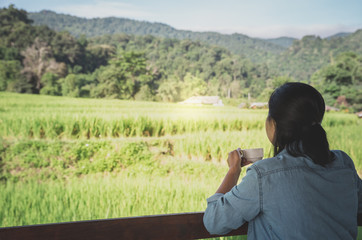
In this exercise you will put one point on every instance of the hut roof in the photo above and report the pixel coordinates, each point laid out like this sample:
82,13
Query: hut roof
329,108
209,100
259,105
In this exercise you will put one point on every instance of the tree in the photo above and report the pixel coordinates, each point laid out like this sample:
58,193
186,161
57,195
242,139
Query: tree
70,86
278,81
96,56
145,94
169,90
14,27
65,48
123,77
192,86
343,77
51,85
272,84
235,89
17,33
77,85
38,60
9,74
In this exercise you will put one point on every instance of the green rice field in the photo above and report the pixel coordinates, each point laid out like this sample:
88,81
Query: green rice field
70,159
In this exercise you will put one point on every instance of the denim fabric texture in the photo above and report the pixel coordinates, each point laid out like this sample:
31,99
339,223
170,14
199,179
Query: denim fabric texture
288,197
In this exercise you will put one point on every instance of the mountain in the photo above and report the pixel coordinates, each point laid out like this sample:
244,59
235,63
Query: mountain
342,34
284,42
146,67
253,48
283,56
311,53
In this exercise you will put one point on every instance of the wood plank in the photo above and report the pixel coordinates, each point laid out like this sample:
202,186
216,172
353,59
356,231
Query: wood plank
170,226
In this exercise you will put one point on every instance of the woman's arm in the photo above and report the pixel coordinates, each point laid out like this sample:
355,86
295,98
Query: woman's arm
232,205
232,176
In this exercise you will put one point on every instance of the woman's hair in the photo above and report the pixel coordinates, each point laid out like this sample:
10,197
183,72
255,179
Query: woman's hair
298,111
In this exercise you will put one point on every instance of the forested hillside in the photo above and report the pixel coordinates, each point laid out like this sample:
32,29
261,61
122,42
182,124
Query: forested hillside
40,60
311,53
36,59
281,41
252,48
295,58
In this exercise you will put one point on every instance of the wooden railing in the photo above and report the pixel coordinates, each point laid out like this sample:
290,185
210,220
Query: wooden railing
170,226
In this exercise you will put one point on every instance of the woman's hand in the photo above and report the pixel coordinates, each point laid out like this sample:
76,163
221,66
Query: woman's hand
235,162
231,179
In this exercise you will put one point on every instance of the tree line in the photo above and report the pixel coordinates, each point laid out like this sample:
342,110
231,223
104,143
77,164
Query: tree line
295,58
37,59
253,48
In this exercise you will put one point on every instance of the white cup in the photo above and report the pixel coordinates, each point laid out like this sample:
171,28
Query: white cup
251,155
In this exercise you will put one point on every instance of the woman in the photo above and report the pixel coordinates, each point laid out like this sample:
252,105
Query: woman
305,191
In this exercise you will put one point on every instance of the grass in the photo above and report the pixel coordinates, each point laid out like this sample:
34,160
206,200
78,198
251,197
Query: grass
100,197
65,159
45,117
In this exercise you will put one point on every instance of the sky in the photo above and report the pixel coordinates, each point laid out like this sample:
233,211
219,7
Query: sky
255,18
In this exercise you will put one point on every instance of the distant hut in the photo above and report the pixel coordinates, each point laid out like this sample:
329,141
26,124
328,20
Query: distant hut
331,109
204,100
258,105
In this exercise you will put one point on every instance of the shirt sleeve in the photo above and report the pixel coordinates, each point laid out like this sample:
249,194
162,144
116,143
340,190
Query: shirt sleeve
359,192
226,212
357,180
356,177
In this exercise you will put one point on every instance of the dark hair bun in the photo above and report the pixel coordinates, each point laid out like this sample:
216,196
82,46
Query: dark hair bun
298,111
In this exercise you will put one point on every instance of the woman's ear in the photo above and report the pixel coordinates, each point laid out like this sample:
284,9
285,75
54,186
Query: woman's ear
270,129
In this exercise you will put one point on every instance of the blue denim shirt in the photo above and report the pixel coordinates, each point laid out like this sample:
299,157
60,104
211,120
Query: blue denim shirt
288,197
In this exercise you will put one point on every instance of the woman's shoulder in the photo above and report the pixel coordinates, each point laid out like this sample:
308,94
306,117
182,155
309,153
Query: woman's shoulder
341,158
340,153
284,161
271,164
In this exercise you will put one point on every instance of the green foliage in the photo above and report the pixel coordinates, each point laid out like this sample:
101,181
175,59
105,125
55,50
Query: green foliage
14,23
145,94
9,74
96,55
272,84
169,90
341,78
90,159
146,67
9,53
101,197
51,86
17,33
41,50
65,48
21,160
278,81
282,41
312,53
171,61
255,49
296,58
77,85
192,86
123,77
